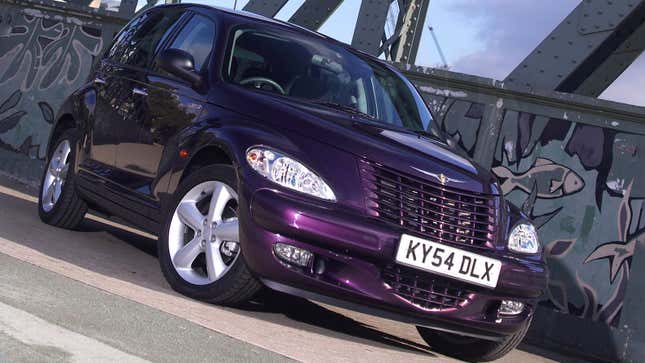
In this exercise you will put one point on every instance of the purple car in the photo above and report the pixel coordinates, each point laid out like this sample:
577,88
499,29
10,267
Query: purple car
267,155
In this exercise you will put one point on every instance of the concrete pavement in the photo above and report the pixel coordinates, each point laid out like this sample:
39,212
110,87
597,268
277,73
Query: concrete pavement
102,287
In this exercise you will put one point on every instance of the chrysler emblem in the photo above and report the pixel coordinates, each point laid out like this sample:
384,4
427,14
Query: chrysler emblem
442,178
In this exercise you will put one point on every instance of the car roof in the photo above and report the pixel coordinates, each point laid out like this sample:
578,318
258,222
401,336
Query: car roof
232,15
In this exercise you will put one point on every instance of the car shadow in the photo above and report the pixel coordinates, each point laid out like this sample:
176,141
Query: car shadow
305,311
286,309
275,306
132,257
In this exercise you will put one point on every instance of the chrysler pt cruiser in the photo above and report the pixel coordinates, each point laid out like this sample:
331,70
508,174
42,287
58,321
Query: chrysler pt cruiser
266,155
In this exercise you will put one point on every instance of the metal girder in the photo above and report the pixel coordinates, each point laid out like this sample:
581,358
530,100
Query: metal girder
127,8
592,46
614,65
268,8
370,25
313,13
404,50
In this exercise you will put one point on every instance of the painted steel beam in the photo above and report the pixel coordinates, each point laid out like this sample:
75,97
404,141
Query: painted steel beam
370,25
313,13
414,17
127,8
592,46
614,65
268,8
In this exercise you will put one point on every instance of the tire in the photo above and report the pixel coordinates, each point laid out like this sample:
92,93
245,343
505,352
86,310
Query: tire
237,285
472,349
68,210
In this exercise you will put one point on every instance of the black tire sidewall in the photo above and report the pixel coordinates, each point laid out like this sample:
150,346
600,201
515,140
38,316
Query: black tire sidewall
220,288
479,350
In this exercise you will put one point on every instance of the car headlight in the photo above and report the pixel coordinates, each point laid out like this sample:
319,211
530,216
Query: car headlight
524,239
288,172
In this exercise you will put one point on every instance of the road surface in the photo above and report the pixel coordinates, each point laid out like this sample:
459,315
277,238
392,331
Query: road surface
98,295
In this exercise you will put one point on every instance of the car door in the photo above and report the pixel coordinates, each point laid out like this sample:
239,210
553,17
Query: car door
170,105
110,106
119,107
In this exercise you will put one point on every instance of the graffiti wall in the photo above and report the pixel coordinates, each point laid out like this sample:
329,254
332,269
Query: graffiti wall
45,54
583,186
578,172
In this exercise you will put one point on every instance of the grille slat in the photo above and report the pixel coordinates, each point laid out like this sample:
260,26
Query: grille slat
425,182
443,215
440,213
425,290
486,223
380,189
459,197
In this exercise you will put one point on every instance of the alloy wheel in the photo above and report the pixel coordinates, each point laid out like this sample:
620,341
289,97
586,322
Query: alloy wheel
55,176
203,239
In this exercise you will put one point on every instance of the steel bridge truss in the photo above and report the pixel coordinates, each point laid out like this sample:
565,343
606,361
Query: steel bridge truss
592,46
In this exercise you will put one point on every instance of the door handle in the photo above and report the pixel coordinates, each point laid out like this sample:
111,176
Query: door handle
139,91
99,80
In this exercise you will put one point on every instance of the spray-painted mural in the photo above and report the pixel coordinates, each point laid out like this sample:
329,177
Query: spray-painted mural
43,58
582,203
583,185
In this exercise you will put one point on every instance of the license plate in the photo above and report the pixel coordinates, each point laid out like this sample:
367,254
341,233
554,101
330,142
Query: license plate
448,261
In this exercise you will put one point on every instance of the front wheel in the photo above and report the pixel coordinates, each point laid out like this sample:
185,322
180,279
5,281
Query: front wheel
472,349
199,248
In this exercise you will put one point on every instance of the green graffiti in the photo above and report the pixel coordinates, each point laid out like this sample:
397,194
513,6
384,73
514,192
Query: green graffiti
566,224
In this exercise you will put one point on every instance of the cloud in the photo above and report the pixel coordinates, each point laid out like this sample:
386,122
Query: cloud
508,30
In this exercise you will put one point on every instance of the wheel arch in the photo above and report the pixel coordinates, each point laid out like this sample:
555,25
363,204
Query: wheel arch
209,154
65,122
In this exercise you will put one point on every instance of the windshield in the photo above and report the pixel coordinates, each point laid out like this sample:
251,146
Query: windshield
328,74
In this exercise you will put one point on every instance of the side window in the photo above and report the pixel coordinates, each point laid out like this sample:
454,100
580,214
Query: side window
196,38
121,43
137,43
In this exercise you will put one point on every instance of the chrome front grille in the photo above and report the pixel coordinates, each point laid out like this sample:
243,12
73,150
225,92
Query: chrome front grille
427,208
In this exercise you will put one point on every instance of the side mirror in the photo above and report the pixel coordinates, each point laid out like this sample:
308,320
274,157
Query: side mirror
181,64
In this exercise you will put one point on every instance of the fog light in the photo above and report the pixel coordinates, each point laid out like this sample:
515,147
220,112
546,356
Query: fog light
510,307
292,254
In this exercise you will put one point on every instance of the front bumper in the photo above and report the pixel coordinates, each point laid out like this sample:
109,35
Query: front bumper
358,252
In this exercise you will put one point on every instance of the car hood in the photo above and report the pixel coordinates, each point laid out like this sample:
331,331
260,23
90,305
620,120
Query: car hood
425,157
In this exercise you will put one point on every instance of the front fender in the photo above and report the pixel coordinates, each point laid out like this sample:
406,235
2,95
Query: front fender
75,112
231,136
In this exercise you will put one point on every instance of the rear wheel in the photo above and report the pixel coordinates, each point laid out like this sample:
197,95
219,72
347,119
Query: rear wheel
199,249
59,203
472,349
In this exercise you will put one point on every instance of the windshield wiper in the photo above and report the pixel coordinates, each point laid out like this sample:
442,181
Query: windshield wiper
346,108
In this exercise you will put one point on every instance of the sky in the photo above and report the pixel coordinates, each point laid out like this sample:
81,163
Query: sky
481,37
